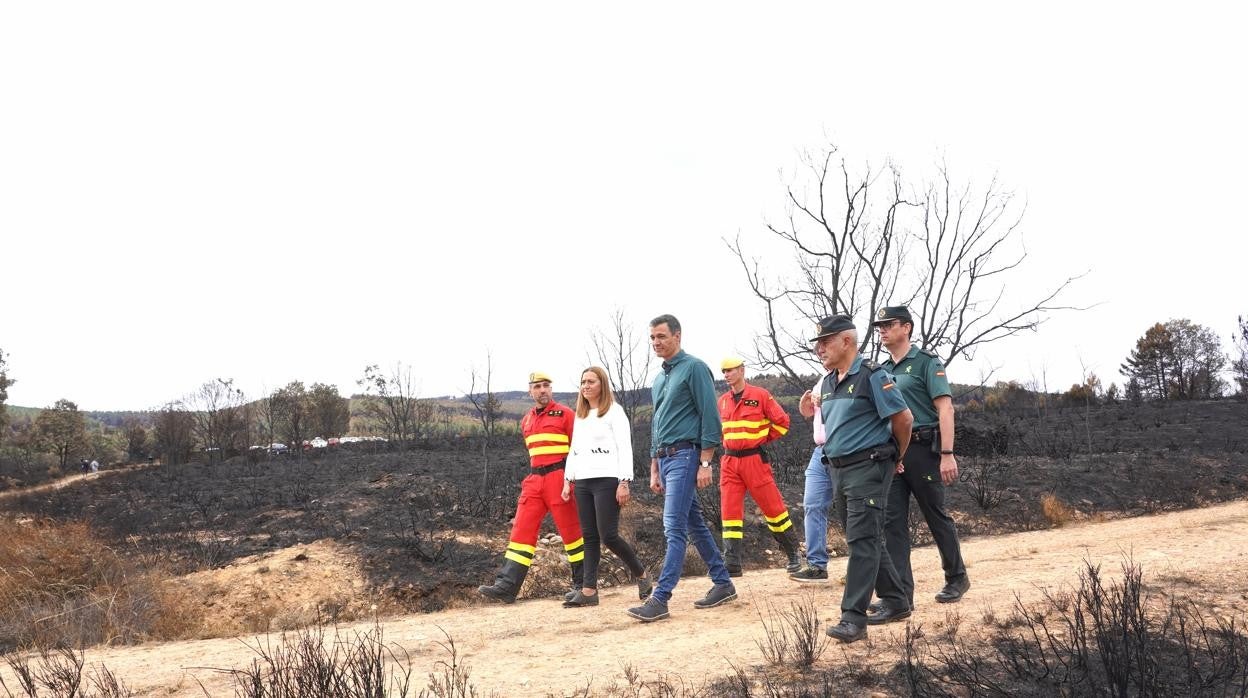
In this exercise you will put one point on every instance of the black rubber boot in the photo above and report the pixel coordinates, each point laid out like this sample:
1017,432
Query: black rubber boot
507,583
732,556
788,544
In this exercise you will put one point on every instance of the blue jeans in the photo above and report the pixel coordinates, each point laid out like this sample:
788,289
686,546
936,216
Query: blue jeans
682,521
821,491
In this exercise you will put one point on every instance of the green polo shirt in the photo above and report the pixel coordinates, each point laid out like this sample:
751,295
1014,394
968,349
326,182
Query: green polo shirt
856,411
921,376
684,404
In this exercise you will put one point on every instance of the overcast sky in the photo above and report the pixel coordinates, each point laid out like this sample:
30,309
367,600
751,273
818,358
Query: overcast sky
291,191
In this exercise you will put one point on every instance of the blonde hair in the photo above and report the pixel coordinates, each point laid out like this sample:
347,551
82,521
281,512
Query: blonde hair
605,398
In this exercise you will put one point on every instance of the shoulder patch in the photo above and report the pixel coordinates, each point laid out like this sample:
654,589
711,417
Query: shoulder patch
872,365
930,353
750,403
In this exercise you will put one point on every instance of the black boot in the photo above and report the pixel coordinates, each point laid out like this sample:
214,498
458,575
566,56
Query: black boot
507,583
788,544
732,556
578,580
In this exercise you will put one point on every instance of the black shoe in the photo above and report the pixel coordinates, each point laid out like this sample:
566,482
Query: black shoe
578,599
650,611
847,632
811,575
876,607
719,594
733,571
570,595
953,591
644,587
887,615
496,593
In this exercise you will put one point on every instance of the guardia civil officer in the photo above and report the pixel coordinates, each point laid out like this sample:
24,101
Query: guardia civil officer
547,431
930,465
868,429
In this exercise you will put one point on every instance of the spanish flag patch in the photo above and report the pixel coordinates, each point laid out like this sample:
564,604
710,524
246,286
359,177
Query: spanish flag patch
889,386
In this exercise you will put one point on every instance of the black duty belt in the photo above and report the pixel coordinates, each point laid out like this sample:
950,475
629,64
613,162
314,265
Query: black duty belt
673,449
549,468
885,451
925,434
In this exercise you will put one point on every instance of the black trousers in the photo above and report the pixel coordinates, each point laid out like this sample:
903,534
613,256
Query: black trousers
866,487
922,481
600,525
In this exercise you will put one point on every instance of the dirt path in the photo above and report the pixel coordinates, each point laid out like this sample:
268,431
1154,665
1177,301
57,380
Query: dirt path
535,647
73,478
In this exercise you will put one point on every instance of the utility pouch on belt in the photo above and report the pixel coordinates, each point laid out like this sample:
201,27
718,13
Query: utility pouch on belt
885,451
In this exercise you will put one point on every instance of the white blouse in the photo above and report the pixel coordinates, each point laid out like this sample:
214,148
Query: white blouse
602,446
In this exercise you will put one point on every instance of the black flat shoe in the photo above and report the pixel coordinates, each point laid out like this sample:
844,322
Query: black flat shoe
578,599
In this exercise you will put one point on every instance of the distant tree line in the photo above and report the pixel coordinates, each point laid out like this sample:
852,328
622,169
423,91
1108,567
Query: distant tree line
1181,360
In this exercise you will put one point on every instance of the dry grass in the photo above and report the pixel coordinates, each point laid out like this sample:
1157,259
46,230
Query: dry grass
61,587
1056,512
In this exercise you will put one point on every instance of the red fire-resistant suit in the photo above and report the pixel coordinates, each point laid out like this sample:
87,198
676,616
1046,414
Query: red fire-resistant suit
547,434
750,420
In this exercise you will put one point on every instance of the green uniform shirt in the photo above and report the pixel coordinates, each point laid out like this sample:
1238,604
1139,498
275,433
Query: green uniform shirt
921,376
856,412
684,404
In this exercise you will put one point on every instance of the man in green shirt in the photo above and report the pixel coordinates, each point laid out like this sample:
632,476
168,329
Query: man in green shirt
685,430
868,430
930,465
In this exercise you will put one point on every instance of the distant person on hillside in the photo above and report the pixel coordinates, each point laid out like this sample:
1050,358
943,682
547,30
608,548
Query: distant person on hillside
601,465
95,466
930,465
685,430
868,428
751,418
83,465
547,431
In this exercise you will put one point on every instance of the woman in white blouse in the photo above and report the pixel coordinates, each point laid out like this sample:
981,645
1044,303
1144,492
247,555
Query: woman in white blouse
601,464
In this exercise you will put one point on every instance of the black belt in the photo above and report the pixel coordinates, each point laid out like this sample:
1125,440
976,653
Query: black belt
924,434
881,452
673,449
550,468
743,452
757,450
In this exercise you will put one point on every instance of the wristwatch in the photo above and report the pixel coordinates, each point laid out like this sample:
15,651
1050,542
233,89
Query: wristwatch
706,464
946,453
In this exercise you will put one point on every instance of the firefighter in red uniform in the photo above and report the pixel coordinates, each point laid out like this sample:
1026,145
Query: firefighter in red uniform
751,418
547,430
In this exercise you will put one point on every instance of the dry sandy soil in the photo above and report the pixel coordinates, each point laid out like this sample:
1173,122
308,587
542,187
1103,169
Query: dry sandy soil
536,647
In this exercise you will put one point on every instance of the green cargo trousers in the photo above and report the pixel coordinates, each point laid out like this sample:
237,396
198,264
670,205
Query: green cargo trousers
866,486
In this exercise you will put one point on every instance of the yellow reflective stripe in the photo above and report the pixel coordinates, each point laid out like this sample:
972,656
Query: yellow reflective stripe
733,522
573,544
782,430
744,424
576,557
517,557
777,517
746,434
781,528
521,547
733,534
557,438
547,450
